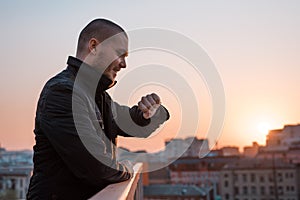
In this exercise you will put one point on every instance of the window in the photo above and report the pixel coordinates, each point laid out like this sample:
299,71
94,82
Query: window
244,177
262,179
286,175
235,177
225,175
280,190
225,183
262,190
271,188
236,190
227,196
253,190
245,190
271,177
252,178
13,185
280,177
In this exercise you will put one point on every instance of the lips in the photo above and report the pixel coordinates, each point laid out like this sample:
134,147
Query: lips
116,69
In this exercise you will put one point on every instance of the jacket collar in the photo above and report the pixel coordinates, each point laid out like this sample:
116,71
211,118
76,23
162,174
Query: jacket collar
89,73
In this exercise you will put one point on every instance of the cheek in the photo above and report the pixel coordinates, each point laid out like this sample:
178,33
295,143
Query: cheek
108,70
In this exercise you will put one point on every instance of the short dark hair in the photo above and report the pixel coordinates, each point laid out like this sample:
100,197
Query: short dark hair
101,29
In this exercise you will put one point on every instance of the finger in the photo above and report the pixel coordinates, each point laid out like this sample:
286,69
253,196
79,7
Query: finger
156,98
142,106
151,99
146,102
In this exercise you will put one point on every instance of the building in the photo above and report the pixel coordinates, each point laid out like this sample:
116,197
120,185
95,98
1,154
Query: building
189,147
198,148
15,158
14,182
282,143
230,151
159,176
259,179
15,171
251,151
280,139
176,192
204,172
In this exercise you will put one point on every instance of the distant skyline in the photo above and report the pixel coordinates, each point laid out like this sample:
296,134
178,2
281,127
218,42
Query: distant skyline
255,46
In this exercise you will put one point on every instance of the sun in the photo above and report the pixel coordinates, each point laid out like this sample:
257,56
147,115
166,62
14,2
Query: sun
263,127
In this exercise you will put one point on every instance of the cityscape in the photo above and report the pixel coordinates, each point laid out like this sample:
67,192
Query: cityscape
269,172
232,136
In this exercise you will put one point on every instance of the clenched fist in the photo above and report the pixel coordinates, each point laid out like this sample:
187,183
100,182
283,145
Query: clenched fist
149,105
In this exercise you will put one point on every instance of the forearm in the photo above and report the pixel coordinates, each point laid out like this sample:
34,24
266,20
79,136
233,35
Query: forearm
138,126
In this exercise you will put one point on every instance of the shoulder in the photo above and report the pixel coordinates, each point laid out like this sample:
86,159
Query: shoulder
59,85
60,81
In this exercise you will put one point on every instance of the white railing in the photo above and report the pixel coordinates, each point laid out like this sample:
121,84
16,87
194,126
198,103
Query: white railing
127,190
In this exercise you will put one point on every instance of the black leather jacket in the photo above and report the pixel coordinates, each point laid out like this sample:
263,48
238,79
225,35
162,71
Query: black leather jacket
75,162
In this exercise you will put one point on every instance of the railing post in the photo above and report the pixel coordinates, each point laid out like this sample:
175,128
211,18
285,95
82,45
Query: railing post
139,194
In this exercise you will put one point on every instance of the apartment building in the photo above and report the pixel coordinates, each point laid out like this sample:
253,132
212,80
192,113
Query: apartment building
204,172
260,179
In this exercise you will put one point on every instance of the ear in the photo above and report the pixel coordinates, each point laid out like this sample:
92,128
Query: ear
92,45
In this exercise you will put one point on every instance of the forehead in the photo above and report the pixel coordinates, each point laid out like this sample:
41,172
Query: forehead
118,41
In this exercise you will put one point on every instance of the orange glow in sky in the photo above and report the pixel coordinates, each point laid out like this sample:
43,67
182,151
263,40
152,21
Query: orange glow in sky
254,46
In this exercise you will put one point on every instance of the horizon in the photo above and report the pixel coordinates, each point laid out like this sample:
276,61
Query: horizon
216,147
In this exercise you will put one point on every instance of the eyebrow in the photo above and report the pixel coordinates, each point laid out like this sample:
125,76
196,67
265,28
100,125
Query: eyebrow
123,52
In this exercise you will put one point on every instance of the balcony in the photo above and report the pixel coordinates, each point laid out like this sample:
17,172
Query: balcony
127,190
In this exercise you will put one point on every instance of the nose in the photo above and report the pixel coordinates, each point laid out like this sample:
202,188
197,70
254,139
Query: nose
122,63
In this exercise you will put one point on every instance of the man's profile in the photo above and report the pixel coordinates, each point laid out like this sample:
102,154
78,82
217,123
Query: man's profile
77,122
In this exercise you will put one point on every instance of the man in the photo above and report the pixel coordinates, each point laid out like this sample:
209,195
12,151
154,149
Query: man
77,122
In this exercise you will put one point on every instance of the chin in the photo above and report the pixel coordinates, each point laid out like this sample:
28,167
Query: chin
112,78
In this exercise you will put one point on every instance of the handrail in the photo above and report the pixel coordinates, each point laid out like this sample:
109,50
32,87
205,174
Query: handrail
124,190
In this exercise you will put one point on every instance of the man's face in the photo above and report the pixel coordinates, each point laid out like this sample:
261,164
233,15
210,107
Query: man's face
112,54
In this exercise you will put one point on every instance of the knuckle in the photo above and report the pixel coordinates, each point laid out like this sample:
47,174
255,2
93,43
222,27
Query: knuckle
140,104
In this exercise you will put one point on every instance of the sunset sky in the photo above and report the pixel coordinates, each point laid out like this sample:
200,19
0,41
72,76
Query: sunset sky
254,44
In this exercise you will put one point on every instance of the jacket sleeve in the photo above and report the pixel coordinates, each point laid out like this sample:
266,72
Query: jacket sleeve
129,122
81,147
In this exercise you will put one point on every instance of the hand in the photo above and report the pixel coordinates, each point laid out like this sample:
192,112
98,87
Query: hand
128,165
149,105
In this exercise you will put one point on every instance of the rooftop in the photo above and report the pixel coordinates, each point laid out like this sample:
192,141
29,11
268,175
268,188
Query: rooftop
173,190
